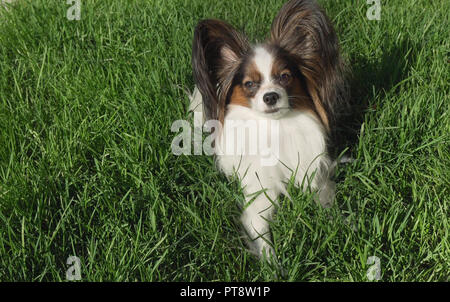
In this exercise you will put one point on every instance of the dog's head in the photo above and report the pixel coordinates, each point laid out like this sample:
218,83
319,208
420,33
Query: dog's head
297,68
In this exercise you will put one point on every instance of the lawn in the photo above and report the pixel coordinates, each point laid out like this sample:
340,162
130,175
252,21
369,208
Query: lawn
86,168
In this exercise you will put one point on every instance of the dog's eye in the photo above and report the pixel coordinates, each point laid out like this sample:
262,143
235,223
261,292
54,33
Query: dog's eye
285,77
249,84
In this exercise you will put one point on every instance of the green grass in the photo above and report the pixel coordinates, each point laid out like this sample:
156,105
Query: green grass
86,167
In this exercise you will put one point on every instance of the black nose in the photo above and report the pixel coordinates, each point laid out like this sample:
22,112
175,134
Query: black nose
271,98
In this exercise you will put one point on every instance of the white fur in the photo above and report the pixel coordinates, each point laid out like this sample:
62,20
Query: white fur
302,152
264,61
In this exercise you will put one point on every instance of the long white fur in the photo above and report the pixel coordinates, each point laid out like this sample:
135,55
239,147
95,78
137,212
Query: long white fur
302,154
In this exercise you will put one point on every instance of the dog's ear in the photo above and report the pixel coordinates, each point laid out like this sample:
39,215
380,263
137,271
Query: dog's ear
217,53
305,32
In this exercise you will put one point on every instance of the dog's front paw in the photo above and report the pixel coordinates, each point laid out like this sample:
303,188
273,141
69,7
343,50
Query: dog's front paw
325,196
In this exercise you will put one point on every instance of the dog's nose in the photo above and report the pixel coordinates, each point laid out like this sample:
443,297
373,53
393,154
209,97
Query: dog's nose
271,98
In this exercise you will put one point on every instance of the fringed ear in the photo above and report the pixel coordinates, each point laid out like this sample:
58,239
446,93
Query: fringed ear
304,31
216,56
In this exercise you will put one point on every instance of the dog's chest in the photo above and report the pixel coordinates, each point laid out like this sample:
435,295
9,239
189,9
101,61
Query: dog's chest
273,150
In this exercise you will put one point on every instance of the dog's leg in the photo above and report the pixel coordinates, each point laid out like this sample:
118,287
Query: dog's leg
322,184
255,218
325,195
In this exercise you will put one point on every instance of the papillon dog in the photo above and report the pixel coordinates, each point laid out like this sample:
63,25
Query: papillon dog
294,81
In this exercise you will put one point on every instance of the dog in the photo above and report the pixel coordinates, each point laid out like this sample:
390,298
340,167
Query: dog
293,83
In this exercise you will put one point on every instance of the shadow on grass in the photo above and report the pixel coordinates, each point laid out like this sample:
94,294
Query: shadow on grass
370,77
